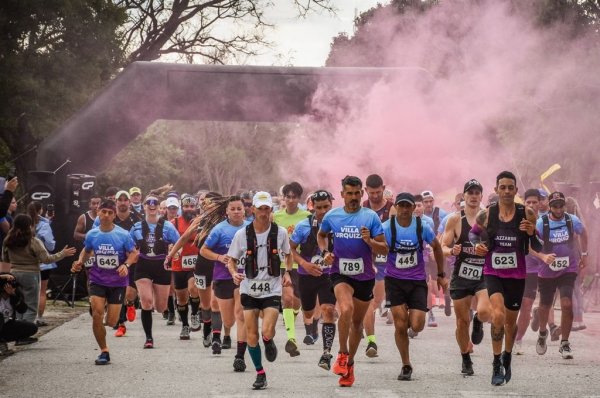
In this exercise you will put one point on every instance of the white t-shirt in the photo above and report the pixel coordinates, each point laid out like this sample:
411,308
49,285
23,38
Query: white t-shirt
264,285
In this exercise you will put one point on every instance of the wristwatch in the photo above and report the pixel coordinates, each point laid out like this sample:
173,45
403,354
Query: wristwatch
441,275
127,265
324,253
584,254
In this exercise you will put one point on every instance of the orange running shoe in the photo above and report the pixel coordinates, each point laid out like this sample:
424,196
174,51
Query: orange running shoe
121,331
340,367
348,380
131,313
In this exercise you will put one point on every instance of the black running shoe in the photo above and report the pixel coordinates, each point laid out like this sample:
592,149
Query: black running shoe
103,358
467,368
171,318
506,359
216,347
497,374
261,381
226,342
270,351
239,365
325,361
308,340
406,373
477,332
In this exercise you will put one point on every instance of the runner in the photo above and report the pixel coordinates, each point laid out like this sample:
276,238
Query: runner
225,290
113,251
313,276
287,218
358,237
135,194
467,276
152,237
260,248
506,229
375,189
561,266
405,281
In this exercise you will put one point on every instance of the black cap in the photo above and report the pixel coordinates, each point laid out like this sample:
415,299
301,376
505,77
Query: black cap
556,197
473,183
405,197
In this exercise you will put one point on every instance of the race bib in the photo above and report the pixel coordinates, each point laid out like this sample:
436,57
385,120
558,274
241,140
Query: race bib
351,266
318,260
189,262
90,262
471,272
107,262
406,260
381,258
259,288
560,264
200,281
504,260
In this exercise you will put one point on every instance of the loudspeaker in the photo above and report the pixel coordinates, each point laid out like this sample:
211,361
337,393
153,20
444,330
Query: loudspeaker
42,186
80,189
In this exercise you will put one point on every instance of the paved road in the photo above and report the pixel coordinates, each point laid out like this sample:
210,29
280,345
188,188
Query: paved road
62,365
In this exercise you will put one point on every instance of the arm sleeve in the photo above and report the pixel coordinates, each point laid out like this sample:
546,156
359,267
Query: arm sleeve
42,254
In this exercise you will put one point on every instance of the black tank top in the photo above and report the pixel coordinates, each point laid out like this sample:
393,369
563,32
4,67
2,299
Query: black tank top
89,222
467,254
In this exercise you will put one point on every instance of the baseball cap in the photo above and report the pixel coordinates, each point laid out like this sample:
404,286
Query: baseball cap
118,195
426,194
556,197
172,202
262,199
543,193
173,194
405,197
473,183
133,190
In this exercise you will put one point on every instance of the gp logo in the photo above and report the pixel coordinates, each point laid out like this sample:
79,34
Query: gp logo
40,195
86,186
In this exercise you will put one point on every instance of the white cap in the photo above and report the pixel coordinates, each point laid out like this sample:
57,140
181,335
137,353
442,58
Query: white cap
172,202
427,194
262,199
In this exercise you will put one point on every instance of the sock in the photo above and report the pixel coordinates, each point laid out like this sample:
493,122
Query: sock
466,357
308,329
371,339
206,316
255,354
315,327
183,314
328,332
496,358
288,320
147,323
122,315
170,305
195,304
217,324
241,349
266,340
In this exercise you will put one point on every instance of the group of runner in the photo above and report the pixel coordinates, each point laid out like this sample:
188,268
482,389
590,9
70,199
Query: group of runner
238,261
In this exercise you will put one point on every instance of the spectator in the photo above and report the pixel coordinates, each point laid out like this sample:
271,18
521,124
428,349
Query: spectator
5,204
25,253
11,303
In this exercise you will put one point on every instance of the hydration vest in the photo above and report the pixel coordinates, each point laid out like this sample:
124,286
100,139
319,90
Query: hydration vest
494,221
546,232
273,259
310,247
419,233
160,247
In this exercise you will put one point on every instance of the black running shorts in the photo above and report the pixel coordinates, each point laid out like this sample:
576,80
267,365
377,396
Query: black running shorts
253,303
363,290
312,287
153,270
113,295
531,286
181,278
224,288
511,289
403,291
564,283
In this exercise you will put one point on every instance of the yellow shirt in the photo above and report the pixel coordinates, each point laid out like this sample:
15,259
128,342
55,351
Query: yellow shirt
289,221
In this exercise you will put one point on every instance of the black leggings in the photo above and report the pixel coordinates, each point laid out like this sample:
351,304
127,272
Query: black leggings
16,330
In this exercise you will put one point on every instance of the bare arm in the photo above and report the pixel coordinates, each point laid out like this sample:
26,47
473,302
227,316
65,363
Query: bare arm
211,255
79,233
309,267
450,235
436,247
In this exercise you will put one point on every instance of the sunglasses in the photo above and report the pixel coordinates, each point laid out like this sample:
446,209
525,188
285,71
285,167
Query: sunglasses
320,195
246,204
151,202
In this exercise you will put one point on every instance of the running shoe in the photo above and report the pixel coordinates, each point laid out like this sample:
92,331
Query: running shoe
41,322
103,358
431,320
261,381
196,323
411,333
4,350
207,341
541,347
171,319
216,347
447,308
340,366
26,341
270,350
405,373
371,350
518,349
121,331
348,379
308,340
565,350
477,332
497,374
165,314
555,332
325,361
292,348
149,343
185,333
131,313
506,362
535,320
226,342
239,365
467,368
